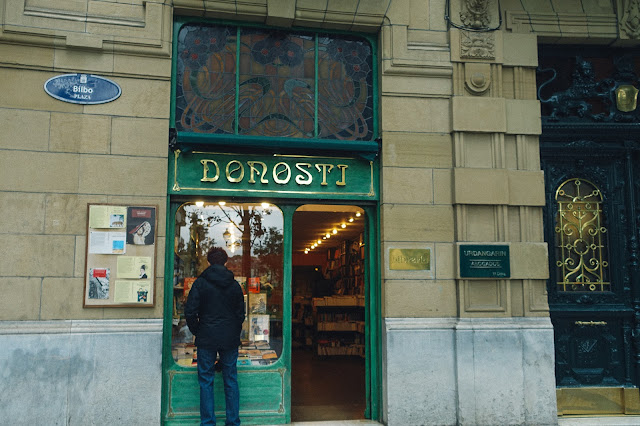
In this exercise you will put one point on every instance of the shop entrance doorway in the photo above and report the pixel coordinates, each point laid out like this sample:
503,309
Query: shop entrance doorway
328,327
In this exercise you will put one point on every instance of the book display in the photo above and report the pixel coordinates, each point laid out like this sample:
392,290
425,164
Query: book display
340,325
249,234
333,320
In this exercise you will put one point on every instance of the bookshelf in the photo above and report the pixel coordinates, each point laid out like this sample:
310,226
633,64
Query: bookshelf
340,325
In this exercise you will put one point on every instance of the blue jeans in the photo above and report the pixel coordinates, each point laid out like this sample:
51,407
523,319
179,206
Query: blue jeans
206,374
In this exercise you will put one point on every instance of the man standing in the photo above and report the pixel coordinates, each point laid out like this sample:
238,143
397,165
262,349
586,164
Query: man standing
215,313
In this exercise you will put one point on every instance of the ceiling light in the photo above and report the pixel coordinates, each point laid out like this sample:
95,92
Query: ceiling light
335,231
265,205
358,214
199,203
319,241
350,219
328,235
222,203
343,225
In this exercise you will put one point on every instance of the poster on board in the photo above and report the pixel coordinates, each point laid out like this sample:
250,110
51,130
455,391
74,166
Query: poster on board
120,256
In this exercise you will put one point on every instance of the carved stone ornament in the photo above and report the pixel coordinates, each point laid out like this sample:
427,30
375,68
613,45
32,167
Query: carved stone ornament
477,45
477,78
631,19
475,14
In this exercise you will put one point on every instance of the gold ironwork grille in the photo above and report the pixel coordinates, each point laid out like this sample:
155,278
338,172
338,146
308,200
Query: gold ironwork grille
580,238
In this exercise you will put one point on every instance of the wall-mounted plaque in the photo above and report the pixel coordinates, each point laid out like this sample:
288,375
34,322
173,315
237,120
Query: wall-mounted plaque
484,261
409,259
82,89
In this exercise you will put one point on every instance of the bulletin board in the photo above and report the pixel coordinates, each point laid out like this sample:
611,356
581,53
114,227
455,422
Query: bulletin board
120,256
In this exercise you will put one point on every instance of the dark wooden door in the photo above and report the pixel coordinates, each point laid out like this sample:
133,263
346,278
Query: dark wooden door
591,227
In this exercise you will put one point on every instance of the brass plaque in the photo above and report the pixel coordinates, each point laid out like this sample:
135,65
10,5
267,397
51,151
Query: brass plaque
410,259
626,98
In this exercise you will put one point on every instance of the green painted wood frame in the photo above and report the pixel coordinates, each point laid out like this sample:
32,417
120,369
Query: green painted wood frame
266,390
189,139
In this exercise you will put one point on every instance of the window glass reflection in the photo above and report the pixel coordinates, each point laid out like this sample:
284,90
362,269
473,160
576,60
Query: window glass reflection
252,235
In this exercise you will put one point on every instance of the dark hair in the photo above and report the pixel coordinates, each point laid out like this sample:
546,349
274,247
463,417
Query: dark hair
217,256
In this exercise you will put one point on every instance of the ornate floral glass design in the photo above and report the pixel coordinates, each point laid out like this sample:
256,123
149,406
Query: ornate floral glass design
258,82
581,249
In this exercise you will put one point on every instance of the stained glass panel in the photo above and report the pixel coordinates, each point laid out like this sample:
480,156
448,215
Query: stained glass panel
276,84
278,90
205,89
345,82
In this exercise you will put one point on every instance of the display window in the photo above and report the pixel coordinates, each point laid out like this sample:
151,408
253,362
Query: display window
252,235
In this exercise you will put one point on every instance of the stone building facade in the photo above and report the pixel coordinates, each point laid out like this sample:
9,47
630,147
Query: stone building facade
459,164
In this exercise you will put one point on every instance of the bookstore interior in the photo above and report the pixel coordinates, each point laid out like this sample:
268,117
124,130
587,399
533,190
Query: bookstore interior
327,289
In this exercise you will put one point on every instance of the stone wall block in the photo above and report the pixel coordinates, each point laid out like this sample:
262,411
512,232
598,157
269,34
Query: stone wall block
405,149
442,184
478,114
420,392
480,186
21,213
417,223
529,260
20,299
96,62
38,172
520,49
523,117
37,255
420,298
415,114
22,89
20,55
407,185
62,299
24,129
526,188
139,136
80,133
140,98
445,260
113,175
67,213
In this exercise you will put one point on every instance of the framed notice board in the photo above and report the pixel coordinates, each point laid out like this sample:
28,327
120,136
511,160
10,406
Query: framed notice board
120,256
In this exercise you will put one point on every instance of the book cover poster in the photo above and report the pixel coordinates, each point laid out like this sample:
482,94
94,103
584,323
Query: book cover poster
258,303
259,328
141,225
253,285
188,283
99,283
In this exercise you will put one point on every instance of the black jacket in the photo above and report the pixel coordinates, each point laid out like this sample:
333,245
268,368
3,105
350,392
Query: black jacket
215,309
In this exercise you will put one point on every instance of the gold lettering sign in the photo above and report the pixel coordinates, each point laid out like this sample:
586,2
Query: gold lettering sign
301,180
626,98
277,173
239,168
205,171
325,168
410,259
305,173
252,167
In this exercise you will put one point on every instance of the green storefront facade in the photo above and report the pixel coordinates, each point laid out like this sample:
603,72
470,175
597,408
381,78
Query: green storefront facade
287,173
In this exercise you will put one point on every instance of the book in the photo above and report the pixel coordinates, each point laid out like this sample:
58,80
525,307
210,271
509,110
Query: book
258,303
188,283
253,285
259,328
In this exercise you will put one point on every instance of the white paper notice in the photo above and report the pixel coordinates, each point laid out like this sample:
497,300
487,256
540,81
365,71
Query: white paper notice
107,242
